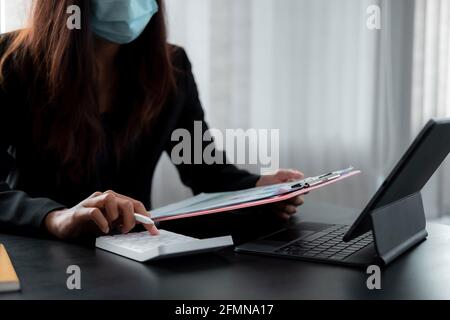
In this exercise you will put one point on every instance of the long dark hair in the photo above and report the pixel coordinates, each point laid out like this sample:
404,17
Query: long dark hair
67,120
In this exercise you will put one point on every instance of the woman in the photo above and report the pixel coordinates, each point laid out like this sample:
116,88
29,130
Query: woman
93,109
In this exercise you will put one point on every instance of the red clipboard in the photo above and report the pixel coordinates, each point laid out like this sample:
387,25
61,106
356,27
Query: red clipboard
256,203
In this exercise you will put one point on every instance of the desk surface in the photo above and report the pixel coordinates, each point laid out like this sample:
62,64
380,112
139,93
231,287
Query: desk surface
423,273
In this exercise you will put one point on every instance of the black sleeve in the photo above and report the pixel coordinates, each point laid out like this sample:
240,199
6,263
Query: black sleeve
203,177
19,213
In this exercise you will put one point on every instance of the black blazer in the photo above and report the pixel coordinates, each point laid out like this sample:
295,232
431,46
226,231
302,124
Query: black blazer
31,185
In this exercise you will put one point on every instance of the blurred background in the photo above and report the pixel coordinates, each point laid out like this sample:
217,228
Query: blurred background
339,92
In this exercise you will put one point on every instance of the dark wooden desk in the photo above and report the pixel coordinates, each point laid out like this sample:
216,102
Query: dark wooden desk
423,273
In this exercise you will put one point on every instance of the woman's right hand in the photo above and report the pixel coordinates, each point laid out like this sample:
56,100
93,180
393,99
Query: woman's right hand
104,211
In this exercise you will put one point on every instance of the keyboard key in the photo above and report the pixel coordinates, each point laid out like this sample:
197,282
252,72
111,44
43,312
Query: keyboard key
328,244
339,258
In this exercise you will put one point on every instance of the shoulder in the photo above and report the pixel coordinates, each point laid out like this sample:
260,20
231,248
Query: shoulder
185,91
182,71
180,59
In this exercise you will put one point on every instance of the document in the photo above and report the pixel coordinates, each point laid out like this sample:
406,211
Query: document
8,277
208,203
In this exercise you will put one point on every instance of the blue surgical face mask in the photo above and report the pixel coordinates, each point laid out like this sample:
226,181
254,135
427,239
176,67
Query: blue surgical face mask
121,21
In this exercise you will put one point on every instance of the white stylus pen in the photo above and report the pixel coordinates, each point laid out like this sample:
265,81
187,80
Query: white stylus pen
143,219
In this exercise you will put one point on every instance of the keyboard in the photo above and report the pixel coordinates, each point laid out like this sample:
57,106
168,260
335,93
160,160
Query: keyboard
328,245
144,247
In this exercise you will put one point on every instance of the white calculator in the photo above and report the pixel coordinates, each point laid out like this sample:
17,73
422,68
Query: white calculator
144,247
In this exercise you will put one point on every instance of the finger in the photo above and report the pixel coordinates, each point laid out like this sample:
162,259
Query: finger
283,215
126,209
298,174
95,194
285,212
297,201
99,219
95,215
119,195
287,208
111,209
286,175
152,229
290,209
138,208
97,200
105,201
283,175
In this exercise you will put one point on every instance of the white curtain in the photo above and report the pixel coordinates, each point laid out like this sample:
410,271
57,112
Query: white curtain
431,86
337,90
13,14
339,93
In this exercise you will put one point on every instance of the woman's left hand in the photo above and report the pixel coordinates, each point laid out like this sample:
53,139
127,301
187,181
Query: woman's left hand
288,208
